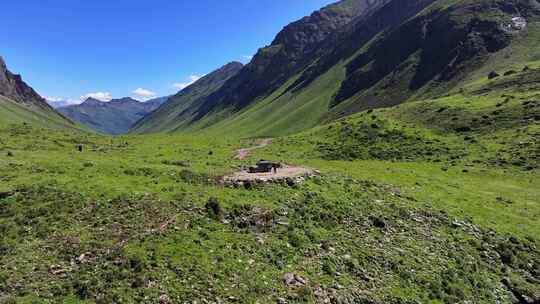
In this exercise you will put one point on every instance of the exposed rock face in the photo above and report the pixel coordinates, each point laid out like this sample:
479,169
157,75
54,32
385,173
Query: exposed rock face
391,50
292,49
13,87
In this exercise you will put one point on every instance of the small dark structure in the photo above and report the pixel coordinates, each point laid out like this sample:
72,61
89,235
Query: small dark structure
264,166
80,148
493,75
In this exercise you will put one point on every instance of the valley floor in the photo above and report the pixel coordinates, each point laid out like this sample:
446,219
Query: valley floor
143,219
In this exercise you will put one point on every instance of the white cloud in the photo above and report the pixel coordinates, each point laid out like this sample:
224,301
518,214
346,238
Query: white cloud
247,57
54,99
61,101
192,80
144,94
102,96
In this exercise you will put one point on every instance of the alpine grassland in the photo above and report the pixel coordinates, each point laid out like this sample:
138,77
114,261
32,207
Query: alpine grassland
415,126
432,201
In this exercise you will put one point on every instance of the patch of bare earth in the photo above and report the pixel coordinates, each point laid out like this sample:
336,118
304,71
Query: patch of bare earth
282,173
244,153
285,173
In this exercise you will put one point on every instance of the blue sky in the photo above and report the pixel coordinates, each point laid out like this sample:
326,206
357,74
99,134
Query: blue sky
71,48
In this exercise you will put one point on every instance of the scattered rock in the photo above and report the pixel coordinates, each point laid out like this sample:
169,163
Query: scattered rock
164,299
9,154
508,73
457,224
292,280
57,270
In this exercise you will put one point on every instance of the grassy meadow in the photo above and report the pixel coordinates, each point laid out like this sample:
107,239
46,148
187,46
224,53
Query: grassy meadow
413,204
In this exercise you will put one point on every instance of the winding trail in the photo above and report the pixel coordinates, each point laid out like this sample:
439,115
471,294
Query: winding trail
244,153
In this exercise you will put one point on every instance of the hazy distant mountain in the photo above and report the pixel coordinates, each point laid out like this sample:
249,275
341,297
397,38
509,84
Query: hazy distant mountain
58,103
114,117
157,101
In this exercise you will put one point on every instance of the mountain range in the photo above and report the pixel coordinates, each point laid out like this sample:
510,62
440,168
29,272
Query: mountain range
404,138
352,56
113,117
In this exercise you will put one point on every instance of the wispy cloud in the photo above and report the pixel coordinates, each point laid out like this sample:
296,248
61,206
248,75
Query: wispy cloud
102,96
247,57
53,99
143,94
192,80
61,101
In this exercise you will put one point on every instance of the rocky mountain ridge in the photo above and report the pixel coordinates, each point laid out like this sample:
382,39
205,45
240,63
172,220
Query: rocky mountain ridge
113,117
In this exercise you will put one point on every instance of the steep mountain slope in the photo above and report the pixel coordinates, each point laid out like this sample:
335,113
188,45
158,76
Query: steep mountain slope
114,117
179,109
19,103
290,51
386,54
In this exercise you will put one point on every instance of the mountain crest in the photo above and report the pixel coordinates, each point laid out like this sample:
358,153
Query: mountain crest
13,87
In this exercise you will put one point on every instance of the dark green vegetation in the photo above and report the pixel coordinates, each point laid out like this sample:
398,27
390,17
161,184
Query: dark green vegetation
432,199
114,117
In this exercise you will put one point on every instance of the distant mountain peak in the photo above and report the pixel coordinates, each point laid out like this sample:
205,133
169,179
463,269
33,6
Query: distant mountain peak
113,117
92,102
124,100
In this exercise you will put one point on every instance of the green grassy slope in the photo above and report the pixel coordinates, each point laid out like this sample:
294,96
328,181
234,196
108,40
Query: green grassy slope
14,113
385,69
393,218
280,113
179,110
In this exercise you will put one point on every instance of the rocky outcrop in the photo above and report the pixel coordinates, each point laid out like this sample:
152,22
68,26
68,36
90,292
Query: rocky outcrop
292,49
13,87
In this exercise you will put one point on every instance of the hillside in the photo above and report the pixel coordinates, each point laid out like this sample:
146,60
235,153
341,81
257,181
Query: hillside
431,201
379,55
415,126
19,103
114,117
179,109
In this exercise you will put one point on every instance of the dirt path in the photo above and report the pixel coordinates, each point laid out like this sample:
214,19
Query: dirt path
282,173
286,172
244,153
